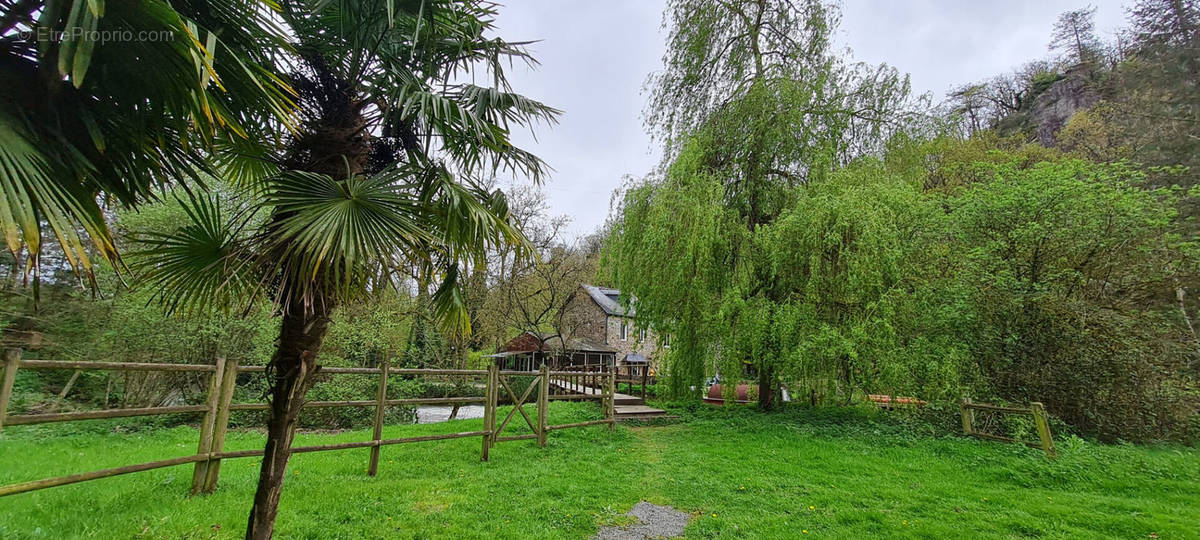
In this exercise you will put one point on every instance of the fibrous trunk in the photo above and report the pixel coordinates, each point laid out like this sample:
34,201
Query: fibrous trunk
334,142
293,368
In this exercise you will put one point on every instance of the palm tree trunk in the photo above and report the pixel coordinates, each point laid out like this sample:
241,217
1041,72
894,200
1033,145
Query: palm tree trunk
293,369
337,146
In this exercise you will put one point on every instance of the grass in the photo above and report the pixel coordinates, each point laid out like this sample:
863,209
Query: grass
741,473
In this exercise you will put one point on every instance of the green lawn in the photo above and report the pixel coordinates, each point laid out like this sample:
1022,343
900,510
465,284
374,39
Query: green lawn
842,474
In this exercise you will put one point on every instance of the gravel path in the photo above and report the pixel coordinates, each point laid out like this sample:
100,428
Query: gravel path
653,521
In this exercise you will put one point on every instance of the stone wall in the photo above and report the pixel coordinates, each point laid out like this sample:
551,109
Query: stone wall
647,347
585,319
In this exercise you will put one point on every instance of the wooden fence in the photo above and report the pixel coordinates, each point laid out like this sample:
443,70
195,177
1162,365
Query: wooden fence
219,404
1035,409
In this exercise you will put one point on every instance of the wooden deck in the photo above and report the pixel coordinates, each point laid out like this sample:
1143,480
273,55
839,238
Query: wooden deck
627,407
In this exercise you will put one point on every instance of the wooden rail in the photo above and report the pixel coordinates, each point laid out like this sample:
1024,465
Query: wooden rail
1035,409
118,366
595,375
219,404
24,419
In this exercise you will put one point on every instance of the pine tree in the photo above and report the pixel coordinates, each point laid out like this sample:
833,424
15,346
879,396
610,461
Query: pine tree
1075,36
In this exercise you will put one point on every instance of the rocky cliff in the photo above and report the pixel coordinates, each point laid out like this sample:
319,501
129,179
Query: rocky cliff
1053,108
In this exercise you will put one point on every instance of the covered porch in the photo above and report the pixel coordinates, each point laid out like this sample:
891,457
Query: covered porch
530,351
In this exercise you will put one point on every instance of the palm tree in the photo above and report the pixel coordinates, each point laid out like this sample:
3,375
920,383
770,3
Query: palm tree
103,102
381,173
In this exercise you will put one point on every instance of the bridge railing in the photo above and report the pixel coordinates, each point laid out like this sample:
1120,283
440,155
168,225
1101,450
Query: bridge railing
636,377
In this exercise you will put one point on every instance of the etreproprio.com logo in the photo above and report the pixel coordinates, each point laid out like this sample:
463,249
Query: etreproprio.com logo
96,36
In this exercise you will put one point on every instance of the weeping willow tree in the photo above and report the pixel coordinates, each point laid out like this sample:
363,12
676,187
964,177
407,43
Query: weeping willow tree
869,306
752,105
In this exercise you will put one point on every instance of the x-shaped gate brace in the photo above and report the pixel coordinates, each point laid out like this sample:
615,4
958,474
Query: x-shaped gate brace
540,382
518,406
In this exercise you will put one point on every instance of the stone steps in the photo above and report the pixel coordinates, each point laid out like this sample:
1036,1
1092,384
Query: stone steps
639,412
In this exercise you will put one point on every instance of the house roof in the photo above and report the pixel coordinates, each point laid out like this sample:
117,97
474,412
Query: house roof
609,300
587,345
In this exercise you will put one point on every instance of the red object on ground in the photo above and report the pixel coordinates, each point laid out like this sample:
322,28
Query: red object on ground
715,391
890,401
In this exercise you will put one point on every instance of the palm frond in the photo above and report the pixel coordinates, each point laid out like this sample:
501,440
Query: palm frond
449,303
243,162
472,124
85,118
200,266
32,195
327,234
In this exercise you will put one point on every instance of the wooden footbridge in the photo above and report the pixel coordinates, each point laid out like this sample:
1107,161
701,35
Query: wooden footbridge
589,380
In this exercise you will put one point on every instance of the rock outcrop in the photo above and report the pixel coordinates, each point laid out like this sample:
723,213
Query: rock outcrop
1053,108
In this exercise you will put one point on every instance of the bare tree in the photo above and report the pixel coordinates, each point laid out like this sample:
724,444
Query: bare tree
533,299
969,104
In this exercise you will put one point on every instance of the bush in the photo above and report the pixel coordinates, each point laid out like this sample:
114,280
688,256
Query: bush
1071,267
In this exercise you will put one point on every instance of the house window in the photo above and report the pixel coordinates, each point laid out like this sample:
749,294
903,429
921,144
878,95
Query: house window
642,335
667,340
624,331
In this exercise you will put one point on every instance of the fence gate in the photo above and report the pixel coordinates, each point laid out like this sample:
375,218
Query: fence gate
503,383
1035,409
500,386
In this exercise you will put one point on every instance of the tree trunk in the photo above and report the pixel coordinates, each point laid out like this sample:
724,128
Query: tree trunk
766,392
1181,296
292,372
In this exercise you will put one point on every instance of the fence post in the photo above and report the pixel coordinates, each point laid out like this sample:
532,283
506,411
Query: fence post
487,413
380,409
610,411
221,425
200,471
645,372
493,402
1043,427
543,408
968,416
12,357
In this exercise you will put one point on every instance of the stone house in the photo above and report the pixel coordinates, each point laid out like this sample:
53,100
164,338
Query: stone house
602,318
595,329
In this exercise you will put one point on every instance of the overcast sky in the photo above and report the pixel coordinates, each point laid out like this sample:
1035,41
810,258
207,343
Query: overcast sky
595,56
